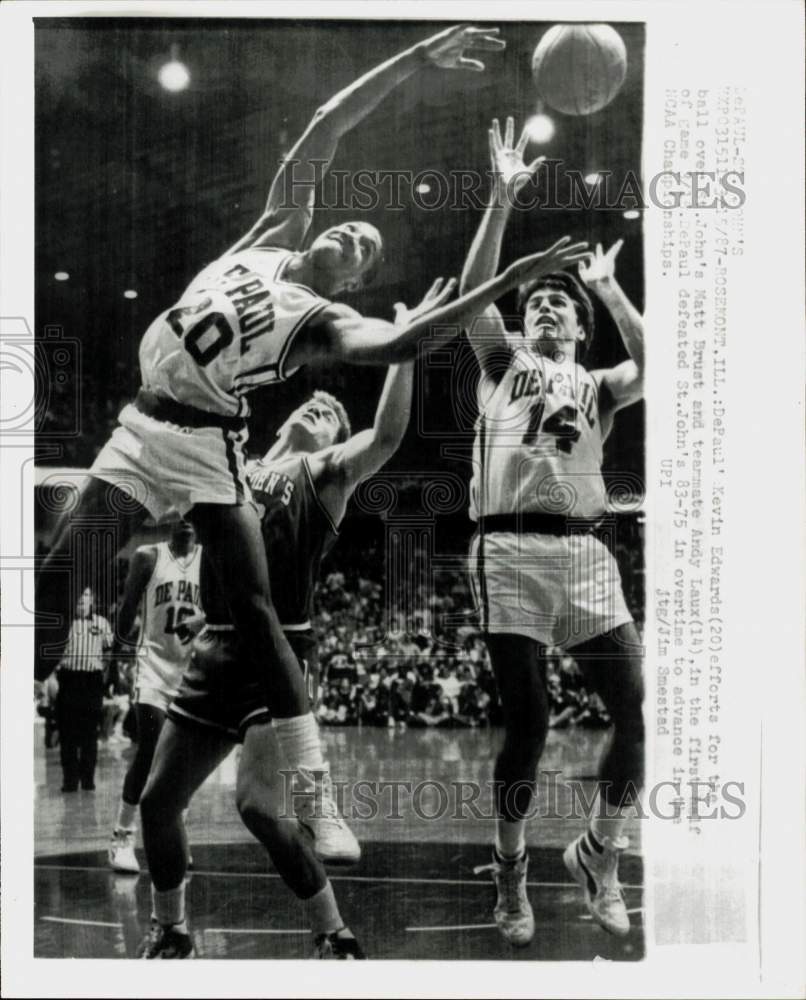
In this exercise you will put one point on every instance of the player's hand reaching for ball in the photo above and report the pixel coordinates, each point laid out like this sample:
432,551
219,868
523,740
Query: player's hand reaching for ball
436,296
509,169
447,49
598,269
558,256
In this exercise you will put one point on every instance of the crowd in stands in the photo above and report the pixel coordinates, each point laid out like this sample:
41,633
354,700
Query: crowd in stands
424,666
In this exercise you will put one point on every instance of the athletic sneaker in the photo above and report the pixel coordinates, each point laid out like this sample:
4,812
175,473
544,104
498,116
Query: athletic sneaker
594,866
513,911
338,945
333,841
121,853
165,942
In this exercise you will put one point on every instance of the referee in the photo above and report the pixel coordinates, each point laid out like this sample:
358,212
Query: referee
81,688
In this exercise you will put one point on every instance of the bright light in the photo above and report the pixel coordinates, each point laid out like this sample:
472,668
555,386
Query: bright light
592,179
174,75
540,128
423,188
61,276
632,213
130,294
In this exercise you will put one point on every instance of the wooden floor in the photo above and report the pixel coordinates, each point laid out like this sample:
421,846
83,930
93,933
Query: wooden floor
414,894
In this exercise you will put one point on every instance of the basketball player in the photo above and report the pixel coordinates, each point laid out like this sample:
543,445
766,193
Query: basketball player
252,318
302,486
541,576
163,582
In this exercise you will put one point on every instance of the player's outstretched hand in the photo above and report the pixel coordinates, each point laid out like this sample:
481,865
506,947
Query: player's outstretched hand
598,269
436,296
509,169
447,49
558,256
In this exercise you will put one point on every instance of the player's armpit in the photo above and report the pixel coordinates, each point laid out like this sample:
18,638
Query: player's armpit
619,387
488,338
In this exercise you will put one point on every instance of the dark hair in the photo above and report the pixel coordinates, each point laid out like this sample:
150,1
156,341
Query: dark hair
345,428
563,281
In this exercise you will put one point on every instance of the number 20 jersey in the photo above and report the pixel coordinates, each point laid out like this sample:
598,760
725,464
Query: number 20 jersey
171,595
538,446
230,332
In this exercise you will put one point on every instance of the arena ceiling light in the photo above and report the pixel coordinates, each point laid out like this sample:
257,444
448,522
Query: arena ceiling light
61,276
130,294
540,128
632,213
174,75
593,178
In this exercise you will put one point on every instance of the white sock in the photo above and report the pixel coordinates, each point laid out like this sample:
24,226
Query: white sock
127,816
323,911
510,838
169,905
299,741
606,820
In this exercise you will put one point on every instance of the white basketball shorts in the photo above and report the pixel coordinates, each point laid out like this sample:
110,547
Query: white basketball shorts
163,465
559,590
158,680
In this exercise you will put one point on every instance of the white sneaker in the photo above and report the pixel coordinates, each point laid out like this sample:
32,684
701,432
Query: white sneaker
513,911
333,841
121,853
597,873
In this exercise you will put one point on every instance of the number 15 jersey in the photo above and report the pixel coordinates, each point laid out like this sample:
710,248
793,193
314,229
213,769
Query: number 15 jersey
538,446
172,594
230,332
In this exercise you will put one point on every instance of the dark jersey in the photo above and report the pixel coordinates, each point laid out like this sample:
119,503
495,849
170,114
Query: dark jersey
297,533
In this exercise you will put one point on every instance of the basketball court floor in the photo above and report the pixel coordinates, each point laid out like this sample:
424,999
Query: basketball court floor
413,896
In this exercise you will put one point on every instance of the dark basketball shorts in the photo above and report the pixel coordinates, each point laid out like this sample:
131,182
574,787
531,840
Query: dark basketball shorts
221,689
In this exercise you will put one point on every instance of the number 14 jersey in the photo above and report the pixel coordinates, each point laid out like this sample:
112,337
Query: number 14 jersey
538,446
230,332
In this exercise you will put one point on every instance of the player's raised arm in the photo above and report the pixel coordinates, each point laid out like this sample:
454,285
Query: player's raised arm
347,464
289,207
339,333
623,384
510,173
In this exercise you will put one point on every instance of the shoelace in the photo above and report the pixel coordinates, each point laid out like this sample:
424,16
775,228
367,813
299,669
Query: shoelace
512,885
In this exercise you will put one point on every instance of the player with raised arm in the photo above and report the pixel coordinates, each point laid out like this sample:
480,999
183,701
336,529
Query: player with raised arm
163,585
540,575
252,318
249,319
302,486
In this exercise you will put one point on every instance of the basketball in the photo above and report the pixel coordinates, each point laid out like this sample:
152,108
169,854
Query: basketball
579,68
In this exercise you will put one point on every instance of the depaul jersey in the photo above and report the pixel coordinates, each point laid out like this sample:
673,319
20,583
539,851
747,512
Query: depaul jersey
297,533
538,446
171,595
229,333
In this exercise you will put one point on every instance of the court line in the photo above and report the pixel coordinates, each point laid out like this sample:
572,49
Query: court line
455,927
88,923
341,878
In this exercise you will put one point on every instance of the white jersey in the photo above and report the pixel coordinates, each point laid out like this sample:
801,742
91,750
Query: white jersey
538,446
230,332
171,595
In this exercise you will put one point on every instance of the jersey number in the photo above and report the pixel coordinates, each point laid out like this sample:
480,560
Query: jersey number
215,323
561,425
173,623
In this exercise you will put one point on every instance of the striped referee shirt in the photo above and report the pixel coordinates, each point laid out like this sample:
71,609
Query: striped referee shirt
89,638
